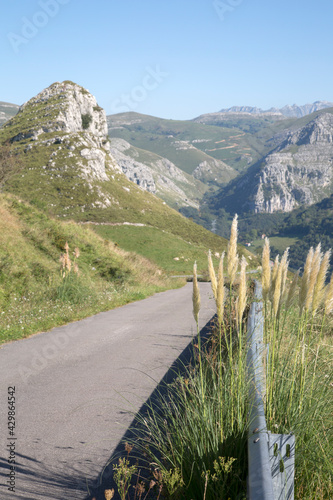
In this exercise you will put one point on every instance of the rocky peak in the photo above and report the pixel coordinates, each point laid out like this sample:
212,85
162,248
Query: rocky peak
64,125
63,107
319,130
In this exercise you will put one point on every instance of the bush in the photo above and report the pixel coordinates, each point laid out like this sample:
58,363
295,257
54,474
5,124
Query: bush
86,121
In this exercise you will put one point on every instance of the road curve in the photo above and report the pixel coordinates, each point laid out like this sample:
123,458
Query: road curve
77,387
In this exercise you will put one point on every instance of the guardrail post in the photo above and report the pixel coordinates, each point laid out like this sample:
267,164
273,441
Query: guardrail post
270,456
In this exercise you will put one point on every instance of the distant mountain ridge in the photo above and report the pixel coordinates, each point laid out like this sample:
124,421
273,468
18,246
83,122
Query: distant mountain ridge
7,111
299,171
288,111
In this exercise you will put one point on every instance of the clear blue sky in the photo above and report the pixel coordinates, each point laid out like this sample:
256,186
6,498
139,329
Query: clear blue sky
173,59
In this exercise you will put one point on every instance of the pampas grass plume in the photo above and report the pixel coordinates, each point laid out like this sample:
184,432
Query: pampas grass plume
241,301
329,297
220,291
284,265
273,277
318,293
313,277
292,291
212,275
305,279
232,252
266,269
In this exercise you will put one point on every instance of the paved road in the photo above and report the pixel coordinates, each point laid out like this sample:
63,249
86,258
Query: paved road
78,386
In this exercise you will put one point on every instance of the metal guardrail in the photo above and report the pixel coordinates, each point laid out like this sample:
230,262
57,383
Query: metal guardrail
271,457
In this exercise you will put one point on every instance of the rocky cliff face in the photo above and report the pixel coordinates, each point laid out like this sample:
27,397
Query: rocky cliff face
300,171
157,175
68,115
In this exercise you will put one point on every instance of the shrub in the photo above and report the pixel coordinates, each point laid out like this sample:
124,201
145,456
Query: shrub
86,121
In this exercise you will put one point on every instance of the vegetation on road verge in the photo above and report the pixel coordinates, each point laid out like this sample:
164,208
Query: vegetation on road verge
194,437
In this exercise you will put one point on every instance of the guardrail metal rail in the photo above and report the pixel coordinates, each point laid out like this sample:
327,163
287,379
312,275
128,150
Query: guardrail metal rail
271,457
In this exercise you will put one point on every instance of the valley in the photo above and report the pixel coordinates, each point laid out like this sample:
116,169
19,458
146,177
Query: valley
62,155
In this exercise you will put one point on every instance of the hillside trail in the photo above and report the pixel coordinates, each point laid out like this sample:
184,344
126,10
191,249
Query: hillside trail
76,389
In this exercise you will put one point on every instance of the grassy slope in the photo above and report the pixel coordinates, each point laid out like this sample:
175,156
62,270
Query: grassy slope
163,247
33,294
35,297
61,192
159,135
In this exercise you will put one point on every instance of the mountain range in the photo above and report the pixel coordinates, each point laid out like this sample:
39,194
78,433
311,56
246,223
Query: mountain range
288,111
56,155
241,159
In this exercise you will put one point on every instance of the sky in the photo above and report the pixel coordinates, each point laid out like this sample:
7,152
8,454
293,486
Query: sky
173,59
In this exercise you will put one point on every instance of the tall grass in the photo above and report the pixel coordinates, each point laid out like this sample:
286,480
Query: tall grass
197,430
38,293
299,369
195,434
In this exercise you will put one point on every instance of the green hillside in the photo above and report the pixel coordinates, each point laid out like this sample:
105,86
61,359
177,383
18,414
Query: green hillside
310,226
187,143
38,293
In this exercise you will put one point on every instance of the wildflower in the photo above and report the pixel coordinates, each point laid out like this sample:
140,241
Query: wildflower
109,494
128,448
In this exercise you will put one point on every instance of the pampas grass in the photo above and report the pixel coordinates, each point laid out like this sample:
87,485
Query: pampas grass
315,266
266,269
212,274
242,293
232,257
329,297
305,279
220,293
319,288
299,367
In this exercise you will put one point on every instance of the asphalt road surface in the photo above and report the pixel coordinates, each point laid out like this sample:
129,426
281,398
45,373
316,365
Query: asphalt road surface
75,389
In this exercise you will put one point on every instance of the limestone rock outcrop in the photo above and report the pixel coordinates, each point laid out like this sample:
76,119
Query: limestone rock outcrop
157,175
66,113
299,171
